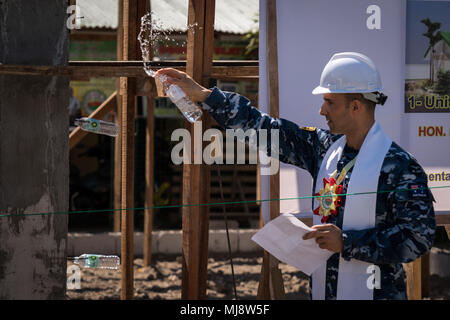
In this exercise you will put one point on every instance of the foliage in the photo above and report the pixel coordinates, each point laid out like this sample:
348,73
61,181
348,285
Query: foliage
251,50
432,33
443,84
159,199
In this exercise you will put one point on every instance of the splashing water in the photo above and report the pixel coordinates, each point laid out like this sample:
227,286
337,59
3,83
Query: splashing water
147,38
153,31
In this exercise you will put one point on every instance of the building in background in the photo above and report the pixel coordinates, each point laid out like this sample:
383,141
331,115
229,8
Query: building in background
91,160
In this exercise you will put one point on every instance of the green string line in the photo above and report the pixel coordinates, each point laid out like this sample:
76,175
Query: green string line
211,204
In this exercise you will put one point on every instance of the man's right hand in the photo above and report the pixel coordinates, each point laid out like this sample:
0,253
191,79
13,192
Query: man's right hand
193,90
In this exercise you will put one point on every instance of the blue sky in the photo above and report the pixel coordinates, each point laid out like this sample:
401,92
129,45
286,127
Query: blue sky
416,43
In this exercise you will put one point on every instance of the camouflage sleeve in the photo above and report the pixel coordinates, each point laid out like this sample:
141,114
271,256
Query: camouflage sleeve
407,231
297,146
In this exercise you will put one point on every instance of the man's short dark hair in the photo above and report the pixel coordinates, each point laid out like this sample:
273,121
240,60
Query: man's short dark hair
358,96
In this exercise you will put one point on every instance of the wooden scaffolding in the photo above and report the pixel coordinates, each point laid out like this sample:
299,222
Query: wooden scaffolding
196,177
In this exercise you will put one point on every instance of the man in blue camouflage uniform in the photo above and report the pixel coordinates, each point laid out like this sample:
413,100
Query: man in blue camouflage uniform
404,225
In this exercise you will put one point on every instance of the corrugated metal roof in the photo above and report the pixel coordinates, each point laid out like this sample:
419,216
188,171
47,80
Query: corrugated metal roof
98,14
232,16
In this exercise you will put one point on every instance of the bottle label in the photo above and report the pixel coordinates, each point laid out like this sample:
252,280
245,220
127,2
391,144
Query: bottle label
175,93
91,261
94,125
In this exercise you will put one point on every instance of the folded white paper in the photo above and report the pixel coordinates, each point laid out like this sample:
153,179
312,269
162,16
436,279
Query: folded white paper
283,238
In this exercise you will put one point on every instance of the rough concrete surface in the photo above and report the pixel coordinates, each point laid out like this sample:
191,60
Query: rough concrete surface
33,151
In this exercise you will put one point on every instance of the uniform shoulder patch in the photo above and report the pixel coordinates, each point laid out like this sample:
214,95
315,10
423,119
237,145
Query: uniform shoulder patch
418,192
309,128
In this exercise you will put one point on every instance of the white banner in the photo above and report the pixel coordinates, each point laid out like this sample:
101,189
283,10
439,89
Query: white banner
309,33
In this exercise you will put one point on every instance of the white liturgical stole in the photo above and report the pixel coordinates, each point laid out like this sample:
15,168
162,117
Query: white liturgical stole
359,211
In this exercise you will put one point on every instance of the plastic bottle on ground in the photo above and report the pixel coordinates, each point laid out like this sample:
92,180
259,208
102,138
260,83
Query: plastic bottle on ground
97,261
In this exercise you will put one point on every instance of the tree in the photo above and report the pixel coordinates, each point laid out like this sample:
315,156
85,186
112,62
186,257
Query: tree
443,84
251,50
434,37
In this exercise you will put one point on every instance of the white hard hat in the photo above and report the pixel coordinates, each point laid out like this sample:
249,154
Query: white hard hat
350,72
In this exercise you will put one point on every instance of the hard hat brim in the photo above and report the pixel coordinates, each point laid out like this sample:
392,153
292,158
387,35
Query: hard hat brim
320,90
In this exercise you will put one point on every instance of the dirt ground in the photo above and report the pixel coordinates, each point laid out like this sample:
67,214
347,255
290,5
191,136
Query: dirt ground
162,280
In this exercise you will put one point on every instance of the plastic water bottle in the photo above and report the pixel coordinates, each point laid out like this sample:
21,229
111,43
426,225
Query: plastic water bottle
97,261
98,126
188,108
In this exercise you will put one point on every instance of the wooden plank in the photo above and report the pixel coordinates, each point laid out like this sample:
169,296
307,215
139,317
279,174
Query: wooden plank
85,70
74,71
242,168
132,13
264,285
127,195
93,35
205,174
118,121
443,219
237,78
227,71
196,177
149,181
162,63
149,173
117,169
425,275
275,280
413,279
447,229
107,106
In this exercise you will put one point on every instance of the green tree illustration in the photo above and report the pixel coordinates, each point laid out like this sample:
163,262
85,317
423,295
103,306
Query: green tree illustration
434,37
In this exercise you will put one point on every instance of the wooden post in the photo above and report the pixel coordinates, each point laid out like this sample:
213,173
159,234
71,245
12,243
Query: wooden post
127,86
149,181
118,120
413,279
271,281
132,13
149,175
447,230
196,177
425,270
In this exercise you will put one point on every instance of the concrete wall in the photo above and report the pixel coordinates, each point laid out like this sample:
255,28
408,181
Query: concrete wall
163,242
33,151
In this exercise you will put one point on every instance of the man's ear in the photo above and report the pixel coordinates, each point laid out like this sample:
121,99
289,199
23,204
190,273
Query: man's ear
356,105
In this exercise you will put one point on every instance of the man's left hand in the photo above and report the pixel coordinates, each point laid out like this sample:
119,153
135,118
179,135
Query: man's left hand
328,236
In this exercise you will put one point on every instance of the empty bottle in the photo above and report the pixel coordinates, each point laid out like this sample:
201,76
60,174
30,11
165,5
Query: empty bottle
188,108
98,126
97,261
